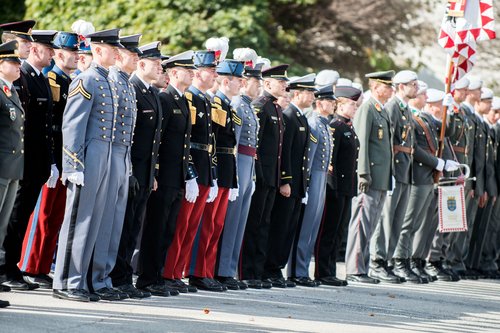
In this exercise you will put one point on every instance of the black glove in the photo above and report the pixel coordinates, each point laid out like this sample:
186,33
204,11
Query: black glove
133,186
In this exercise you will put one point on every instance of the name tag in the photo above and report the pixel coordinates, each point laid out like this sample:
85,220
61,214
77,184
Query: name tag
302,129
41,100
274,118
177,111
148,111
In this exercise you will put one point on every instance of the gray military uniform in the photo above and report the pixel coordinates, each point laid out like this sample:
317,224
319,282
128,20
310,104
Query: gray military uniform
373,126
237,211
87,128
108,238
386,234
320,154
11,155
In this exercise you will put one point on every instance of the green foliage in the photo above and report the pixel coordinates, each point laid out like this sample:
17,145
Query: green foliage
12,10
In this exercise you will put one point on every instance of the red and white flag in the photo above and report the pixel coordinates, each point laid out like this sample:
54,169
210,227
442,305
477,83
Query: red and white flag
465,23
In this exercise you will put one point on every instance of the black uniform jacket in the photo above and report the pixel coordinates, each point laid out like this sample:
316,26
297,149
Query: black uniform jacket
294,157
342,176
271,129
147,132
173,158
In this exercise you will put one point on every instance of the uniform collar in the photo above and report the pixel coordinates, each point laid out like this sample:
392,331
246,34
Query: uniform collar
196,91
33,67
469,106
402,104
246,99
7,83
175,88
146,84
267,94
59,72
223,97
295,106
487,122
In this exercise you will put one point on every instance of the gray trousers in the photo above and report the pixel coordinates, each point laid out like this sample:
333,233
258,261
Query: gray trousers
236,220
305,238
82,219
424,235
108,238
386,234
8,190
366,210
418,204
491,245
459,241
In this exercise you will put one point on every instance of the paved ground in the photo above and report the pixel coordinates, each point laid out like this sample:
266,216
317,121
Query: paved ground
465,306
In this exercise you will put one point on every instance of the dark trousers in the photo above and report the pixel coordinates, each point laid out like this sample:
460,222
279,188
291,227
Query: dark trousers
254,247
478,237
159,228
331,232
284,219
134,217
26,198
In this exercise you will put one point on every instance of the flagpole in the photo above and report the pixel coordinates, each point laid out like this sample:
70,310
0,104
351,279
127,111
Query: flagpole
449,75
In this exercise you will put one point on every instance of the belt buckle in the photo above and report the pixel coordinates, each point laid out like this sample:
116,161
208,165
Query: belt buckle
210,148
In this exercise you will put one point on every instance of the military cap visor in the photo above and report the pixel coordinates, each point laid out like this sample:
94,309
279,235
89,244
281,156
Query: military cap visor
325,92
110,37
45,37
21,29
305,82
131,43
183,60
276,72
151,50
8,52
254,72
348,92
383,77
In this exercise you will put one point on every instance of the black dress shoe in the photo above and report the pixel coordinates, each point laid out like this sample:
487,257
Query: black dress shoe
79,295
253,284
266,283
205,284
191,289
156,289
108,294
4,288
435,268
362,278
332,281
122,294
242,285
4,304
177,285
133,292
229,282
304,281
417,267
18,285
402,270
276,282
214,281
43,281
379,271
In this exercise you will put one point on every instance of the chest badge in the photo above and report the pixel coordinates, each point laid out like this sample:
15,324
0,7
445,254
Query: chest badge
12,114
7,91
380,133
378,107
200,115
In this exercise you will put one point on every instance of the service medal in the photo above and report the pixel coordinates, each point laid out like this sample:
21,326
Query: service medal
7,92
380,133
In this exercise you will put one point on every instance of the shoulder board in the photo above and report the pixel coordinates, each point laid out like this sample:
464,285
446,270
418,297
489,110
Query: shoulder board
80,89
189,96
217,100
260,101
237,120
52,75
313,139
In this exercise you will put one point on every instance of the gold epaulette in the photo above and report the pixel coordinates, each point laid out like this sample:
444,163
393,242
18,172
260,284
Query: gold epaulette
189,96
219,116
54,87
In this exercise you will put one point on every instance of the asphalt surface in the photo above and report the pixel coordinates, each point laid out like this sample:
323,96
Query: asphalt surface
464,306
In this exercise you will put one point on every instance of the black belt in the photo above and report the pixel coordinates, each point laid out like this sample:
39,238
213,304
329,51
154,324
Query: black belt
202,146
224,150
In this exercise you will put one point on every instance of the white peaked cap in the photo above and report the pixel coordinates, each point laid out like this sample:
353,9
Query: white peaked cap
344,82
422,87
326,77
462,83
475,84
434,95
486,93
404,77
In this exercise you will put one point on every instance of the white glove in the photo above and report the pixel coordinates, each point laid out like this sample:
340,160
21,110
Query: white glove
54,175
253,187
304,199
440,165
451,165
213,192
448,100
192,190
233,194
76,178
